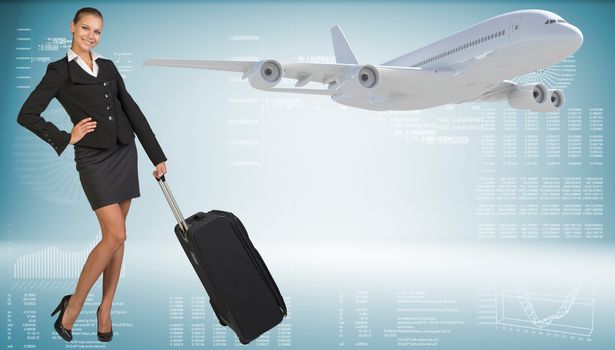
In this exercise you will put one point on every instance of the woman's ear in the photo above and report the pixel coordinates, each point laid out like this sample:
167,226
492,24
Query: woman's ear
72,27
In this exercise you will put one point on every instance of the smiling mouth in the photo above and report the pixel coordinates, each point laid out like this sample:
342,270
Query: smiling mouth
89,42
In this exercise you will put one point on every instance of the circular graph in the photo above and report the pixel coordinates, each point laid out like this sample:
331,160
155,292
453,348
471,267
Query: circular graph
558,76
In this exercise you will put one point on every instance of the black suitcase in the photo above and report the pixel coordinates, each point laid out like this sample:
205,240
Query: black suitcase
241,290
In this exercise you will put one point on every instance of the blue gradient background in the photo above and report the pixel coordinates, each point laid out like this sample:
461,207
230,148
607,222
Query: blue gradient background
335,205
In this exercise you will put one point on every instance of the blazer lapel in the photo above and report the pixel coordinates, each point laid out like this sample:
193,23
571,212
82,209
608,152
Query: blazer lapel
79,76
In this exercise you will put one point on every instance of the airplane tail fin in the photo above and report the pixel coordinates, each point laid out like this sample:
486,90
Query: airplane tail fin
343,52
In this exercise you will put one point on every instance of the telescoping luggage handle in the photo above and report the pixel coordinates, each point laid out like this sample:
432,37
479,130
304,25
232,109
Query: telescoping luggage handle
174,208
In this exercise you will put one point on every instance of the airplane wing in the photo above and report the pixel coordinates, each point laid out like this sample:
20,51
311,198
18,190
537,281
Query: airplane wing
394,81
303,72
229,66
498,92
341,78
317,72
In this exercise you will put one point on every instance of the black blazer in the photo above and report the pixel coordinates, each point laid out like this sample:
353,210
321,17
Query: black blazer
104,98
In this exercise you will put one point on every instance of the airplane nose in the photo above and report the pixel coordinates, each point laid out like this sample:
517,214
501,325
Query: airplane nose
572,34
577,35
568,37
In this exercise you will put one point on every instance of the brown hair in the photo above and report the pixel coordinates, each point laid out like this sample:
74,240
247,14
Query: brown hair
86,11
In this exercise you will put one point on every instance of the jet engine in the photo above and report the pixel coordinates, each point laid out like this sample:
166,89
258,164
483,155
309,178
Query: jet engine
360,79
265,74
529,96
557,98
536,97
368,76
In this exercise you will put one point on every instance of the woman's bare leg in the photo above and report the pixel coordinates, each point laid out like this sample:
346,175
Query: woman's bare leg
111,277
111,221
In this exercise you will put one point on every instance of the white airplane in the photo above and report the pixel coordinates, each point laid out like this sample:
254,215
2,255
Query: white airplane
471,65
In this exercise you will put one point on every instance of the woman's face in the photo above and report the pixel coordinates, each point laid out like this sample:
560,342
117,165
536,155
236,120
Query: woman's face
86,32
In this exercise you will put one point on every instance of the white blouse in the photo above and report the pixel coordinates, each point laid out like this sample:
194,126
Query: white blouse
71,55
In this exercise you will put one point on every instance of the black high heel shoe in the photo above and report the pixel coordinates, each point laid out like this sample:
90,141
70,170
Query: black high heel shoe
66,334
103,337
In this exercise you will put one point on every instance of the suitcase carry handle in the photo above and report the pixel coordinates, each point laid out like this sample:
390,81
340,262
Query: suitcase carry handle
174,208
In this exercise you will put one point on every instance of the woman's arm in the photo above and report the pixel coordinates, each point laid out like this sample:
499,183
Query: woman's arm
139,124
30,114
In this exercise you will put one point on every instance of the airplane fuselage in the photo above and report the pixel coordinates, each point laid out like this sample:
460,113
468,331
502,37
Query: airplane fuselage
475,60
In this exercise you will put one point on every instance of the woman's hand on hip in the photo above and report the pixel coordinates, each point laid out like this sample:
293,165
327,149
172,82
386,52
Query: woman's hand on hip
160,170
80,129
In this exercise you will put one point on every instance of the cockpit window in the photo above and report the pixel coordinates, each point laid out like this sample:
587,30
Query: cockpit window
550,21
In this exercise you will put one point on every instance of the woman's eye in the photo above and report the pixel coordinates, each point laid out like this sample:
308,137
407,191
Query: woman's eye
84,28
98,32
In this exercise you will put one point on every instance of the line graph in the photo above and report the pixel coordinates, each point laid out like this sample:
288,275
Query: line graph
53,262
572,313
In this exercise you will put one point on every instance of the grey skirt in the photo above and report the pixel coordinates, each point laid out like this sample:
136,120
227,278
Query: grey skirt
108,176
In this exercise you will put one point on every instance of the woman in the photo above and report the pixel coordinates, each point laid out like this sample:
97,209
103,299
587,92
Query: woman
105,119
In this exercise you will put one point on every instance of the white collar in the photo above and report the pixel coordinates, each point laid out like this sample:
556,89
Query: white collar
72,55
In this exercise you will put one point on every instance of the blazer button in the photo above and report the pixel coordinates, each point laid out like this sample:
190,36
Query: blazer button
105,83
106,95
108,108
110,118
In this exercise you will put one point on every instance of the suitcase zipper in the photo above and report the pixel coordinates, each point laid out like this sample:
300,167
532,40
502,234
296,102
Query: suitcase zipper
215,288
258,266
266,277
